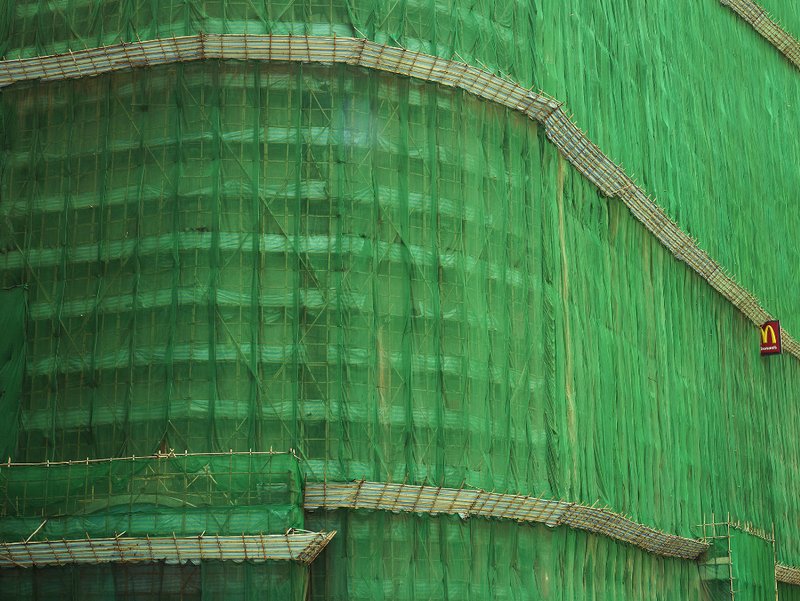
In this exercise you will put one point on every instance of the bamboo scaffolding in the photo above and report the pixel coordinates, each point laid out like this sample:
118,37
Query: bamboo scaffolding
787,574
302,546
572,143
467,503
298,546
169,455
61,488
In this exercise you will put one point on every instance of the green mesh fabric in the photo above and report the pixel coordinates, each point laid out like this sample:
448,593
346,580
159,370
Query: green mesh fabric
173,496
739,565
788,592
488,30
208,581
447,558
698,107
12,364
404,283
307,276
287,256
753,561
635,74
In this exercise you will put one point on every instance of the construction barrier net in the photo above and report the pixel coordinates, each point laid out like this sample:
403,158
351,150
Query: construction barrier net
400,282
181,507
553,45
151,496
753,561
740,563
205,581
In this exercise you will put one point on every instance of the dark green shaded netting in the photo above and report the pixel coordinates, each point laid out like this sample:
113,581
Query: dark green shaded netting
181,496
788,592
449,558
321,258
740,564
208,581
12,365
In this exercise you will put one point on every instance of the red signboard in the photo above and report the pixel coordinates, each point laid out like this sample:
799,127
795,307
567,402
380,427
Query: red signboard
771,338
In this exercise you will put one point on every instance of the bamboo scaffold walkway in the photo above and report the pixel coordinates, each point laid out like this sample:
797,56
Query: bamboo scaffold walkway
297,546
787,574
761,21
467,503
559,127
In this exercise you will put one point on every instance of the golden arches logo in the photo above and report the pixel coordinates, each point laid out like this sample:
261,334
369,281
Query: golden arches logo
766,330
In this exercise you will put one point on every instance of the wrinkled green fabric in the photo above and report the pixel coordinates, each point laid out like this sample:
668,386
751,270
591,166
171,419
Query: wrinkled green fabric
670,90
380,293
404,283
753,561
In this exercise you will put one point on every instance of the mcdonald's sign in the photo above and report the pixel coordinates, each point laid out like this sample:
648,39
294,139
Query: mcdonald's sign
771,338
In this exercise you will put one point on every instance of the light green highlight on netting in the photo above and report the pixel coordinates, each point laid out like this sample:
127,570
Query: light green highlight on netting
715,150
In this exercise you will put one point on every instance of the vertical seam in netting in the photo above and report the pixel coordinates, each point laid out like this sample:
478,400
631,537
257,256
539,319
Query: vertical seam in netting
214,257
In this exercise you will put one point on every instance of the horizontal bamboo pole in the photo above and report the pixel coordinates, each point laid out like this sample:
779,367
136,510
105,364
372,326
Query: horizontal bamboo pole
168,455
293,546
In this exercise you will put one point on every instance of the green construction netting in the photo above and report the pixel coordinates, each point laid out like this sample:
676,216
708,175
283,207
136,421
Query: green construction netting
788,592
739,565
12,365
710,143
403,283
784,14
320,258
181,496
700,109
753,561
328,240
208,581
449,558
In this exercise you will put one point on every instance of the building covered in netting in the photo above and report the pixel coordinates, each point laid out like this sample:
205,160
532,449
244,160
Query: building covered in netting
331,301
